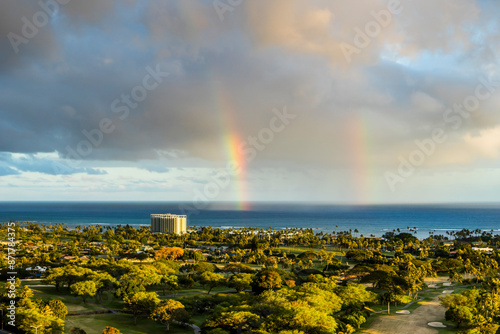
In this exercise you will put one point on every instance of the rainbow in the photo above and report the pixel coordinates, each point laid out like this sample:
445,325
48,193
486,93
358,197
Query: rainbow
359,137
232,143
192,14
224,107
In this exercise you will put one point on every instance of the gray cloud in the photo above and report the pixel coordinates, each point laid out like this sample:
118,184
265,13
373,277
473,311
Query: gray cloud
228,76
40,45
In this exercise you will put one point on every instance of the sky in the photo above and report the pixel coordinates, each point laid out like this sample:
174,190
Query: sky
335,101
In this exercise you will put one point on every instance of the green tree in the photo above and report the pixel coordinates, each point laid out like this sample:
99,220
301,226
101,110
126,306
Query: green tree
67,275
238,321
236,268
170,282
84,289
110,330
211,280
104,282
141,303
217,331
58,308
355,319
168,311
268,280
455,277
389,297
43,318
137,279
308,309
354,296
202,267
55,277
493,284
460,314
241,281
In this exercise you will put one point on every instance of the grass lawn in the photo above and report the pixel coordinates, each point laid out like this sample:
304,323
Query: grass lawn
383,307
198,320
197,289
451,329
94,324
368,323
254,266
76,305
301,249
73,305
296,249
51,290
34,281
460,289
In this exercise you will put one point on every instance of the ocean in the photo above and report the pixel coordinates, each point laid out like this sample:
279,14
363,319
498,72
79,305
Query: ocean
368,220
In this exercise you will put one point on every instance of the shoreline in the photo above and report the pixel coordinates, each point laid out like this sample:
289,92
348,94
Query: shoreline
357,233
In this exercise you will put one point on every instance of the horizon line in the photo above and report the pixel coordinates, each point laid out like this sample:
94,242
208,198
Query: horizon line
259,202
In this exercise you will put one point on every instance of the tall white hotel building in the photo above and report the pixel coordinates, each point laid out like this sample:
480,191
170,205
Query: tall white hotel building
168,223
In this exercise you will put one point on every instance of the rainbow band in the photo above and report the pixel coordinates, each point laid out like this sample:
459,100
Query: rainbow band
232,144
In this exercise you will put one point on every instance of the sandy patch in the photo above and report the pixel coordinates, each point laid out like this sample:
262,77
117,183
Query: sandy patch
414,323
403,312
436,324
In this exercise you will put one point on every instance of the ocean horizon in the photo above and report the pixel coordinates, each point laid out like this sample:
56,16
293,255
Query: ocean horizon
367,219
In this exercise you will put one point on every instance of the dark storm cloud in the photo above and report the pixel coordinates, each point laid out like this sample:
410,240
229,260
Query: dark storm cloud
21,41
228,76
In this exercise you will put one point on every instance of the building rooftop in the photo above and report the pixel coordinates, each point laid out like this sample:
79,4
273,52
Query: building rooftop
166,215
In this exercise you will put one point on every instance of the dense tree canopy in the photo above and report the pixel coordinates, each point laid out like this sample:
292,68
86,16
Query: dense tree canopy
299,279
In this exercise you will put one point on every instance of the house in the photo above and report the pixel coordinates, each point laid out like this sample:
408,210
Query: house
487,250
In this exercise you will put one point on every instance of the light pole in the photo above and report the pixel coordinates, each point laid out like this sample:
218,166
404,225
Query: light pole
36,328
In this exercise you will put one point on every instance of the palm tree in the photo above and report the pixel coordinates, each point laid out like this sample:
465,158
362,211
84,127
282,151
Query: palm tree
388,297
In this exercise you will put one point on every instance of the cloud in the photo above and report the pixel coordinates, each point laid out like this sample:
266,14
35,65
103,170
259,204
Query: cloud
16,25
487,143
90,12
226,77
156,168
14,164
4,170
